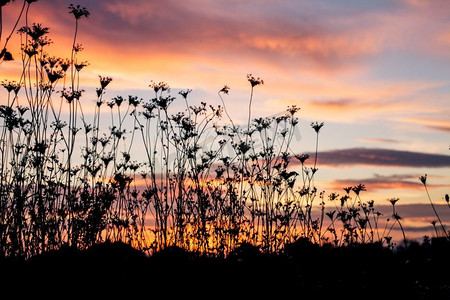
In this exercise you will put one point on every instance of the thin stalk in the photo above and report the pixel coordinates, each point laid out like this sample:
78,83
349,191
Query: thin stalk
435,212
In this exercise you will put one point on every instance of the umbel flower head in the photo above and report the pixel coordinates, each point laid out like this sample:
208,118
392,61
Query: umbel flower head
358,188
302,158
225,89
11,86
185,93
254,81
36,32
317,126
393,201
71,95
104,81
78,11
161,86
423,179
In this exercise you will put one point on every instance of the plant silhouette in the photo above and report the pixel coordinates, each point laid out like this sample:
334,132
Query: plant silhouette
201,183
203,202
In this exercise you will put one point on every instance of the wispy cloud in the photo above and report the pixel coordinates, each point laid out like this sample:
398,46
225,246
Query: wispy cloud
382,157
383,182
430,123
379,140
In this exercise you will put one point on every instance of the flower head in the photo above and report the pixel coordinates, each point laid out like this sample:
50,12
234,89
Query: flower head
161,86
302,158
104,81
133,100
348,189
36,31
357,189
254,81
118,100
393,200
78,11
54,75
22,110
71,95
333,196
225,89
317,126
185,93
423,179
11,86
81,65
293,109
78,48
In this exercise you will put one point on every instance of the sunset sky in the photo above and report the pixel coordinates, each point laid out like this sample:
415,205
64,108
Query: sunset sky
377,73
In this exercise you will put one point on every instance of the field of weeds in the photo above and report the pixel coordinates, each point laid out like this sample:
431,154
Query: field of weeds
139,197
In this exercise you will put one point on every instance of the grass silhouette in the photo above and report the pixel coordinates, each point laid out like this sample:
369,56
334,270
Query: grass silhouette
211,204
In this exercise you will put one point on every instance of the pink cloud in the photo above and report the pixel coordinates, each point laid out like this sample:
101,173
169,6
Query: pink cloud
430,123
380,182
210,30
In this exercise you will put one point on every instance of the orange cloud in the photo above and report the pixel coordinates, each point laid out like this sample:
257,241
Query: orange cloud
185,32
434,124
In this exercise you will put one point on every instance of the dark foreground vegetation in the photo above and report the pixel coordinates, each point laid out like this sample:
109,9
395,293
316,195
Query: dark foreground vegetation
303,271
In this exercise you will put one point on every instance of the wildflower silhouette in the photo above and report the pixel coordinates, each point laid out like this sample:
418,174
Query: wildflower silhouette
78,12
225,90
253,82
316,126
11,86
423,179
203,184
